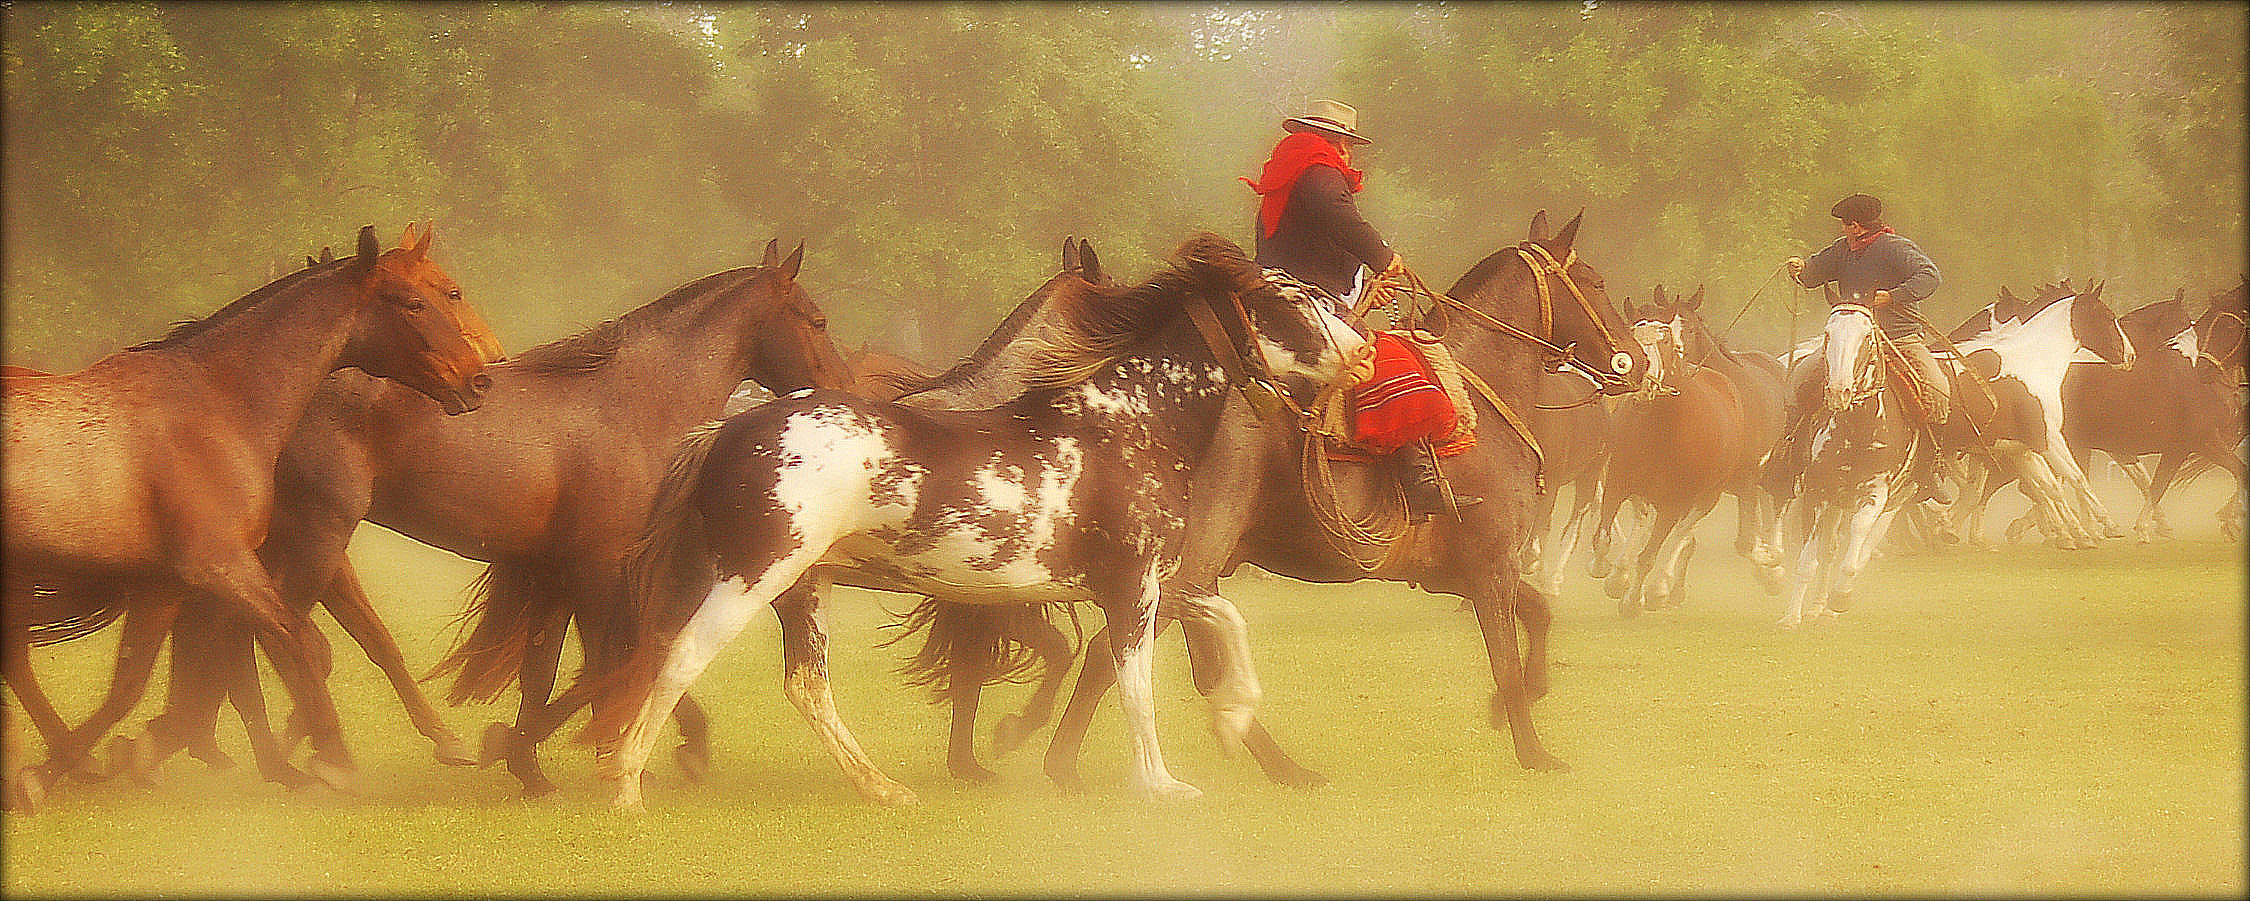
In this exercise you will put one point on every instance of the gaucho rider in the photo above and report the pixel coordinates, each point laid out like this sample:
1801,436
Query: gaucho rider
1309,227
1871,265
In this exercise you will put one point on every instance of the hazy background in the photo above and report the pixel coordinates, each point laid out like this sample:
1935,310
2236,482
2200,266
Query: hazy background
580,159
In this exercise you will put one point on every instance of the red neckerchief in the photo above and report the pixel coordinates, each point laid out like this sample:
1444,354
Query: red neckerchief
1860,243
1291,157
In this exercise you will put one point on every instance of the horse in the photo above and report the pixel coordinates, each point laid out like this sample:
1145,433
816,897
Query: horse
1269,496
1073,490
1702,434
146,481
1862,447
2035,351
549,483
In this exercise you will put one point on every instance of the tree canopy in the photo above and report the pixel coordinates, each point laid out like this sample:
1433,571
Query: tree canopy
580,159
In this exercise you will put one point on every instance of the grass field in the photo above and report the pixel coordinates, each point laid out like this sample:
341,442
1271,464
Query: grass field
2021,721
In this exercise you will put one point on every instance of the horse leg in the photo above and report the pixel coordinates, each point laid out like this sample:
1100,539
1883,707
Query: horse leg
348,603
535,719
20,792
804,648
2152,511
1131,622
1053,648
1276,763
2080,490
1219,643
1496,608
963,689
1636,596
1557,558
1861,532
2051,498
1094,679
32,782
1811,569
144,630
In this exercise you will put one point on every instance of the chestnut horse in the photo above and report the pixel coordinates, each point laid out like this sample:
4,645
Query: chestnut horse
147,480
1073,490
549,482
1253,503
1680,448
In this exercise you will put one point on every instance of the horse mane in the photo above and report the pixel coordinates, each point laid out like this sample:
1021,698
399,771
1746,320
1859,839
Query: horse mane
1101,323
189,328
589,350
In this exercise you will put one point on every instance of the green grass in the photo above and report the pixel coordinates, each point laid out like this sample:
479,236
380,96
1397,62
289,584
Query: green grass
2016,721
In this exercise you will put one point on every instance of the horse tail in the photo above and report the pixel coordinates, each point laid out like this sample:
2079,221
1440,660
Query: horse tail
500,617
962,640
667,572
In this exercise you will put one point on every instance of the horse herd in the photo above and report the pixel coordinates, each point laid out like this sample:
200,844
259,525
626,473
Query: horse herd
1122,444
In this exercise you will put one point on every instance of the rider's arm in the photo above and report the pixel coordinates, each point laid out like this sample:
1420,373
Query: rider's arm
1327,199
1823,267
1921,276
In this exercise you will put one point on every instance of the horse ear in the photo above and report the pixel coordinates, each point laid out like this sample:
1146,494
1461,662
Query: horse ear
1659,301
1539,231
1569,233
369,248
327,254
1069,253
421,245
796,259
406,238
1695,301
773,254
1089,265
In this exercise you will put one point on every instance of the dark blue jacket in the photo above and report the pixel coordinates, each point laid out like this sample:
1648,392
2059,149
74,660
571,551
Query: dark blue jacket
1889,263
1321,237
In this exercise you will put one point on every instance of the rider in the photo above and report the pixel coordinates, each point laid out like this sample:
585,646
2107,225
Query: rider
1871,265
1309,227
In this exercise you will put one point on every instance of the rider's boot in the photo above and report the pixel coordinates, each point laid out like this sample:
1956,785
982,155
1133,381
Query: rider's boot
1426,488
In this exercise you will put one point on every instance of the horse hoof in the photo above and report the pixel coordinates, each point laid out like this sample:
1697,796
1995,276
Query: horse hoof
889,793
451,750
537,788
22,794
1543,762
694,760
1790,623
1628,608
494,746
971,772
341,778
210,755
134,758
1009,733
289,778
1302,778
1169,790
1067,780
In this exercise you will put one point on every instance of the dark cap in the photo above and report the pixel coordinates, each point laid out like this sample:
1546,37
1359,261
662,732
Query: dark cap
1861,208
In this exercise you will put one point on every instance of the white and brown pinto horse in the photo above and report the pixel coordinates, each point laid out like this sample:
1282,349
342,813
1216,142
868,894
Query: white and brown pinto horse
1076,490
1862,447
2057,327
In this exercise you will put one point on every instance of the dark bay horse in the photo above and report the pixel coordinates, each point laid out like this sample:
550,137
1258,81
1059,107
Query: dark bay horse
147,480
549,483
1681,448
1074,490
1253,503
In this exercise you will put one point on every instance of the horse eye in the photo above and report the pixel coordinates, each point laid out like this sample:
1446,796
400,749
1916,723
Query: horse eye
453,293
820,323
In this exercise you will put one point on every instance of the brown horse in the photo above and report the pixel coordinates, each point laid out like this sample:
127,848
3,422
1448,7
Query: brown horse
549,482
1679,449
1253,504
1571,422
146,481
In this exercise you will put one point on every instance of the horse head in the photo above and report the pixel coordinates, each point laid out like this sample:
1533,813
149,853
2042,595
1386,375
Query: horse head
2220,332
1691,336
1654,333
419,331
2165,323
2097,329
1853,373
790,349
1567,302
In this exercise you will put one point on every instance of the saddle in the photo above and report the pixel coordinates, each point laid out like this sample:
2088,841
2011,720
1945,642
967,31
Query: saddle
1333,410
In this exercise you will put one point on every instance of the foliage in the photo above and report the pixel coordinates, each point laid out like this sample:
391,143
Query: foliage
165,158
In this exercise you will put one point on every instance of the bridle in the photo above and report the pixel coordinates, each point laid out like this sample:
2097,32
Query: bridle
1542,264
2203,342
1246,371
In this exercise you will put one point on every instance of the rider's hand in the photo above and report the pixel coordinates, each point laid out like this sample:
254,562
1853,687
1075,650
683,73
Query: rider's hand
1796,265
1881,298
1397,266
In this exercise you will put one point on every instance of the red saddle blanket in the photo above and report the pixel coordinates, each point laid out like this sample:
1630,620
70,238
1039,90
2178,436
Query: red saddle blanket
1402,402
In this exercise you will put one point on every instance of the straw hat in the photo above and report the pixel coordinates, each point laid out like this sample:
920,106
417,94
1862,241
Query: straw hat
1330,117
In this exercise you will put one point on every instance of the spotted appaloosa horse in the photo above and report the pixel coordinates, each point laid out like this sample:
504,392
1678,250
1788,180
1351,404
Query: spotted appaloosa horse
1073,491
550,482
146,480
1252,502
